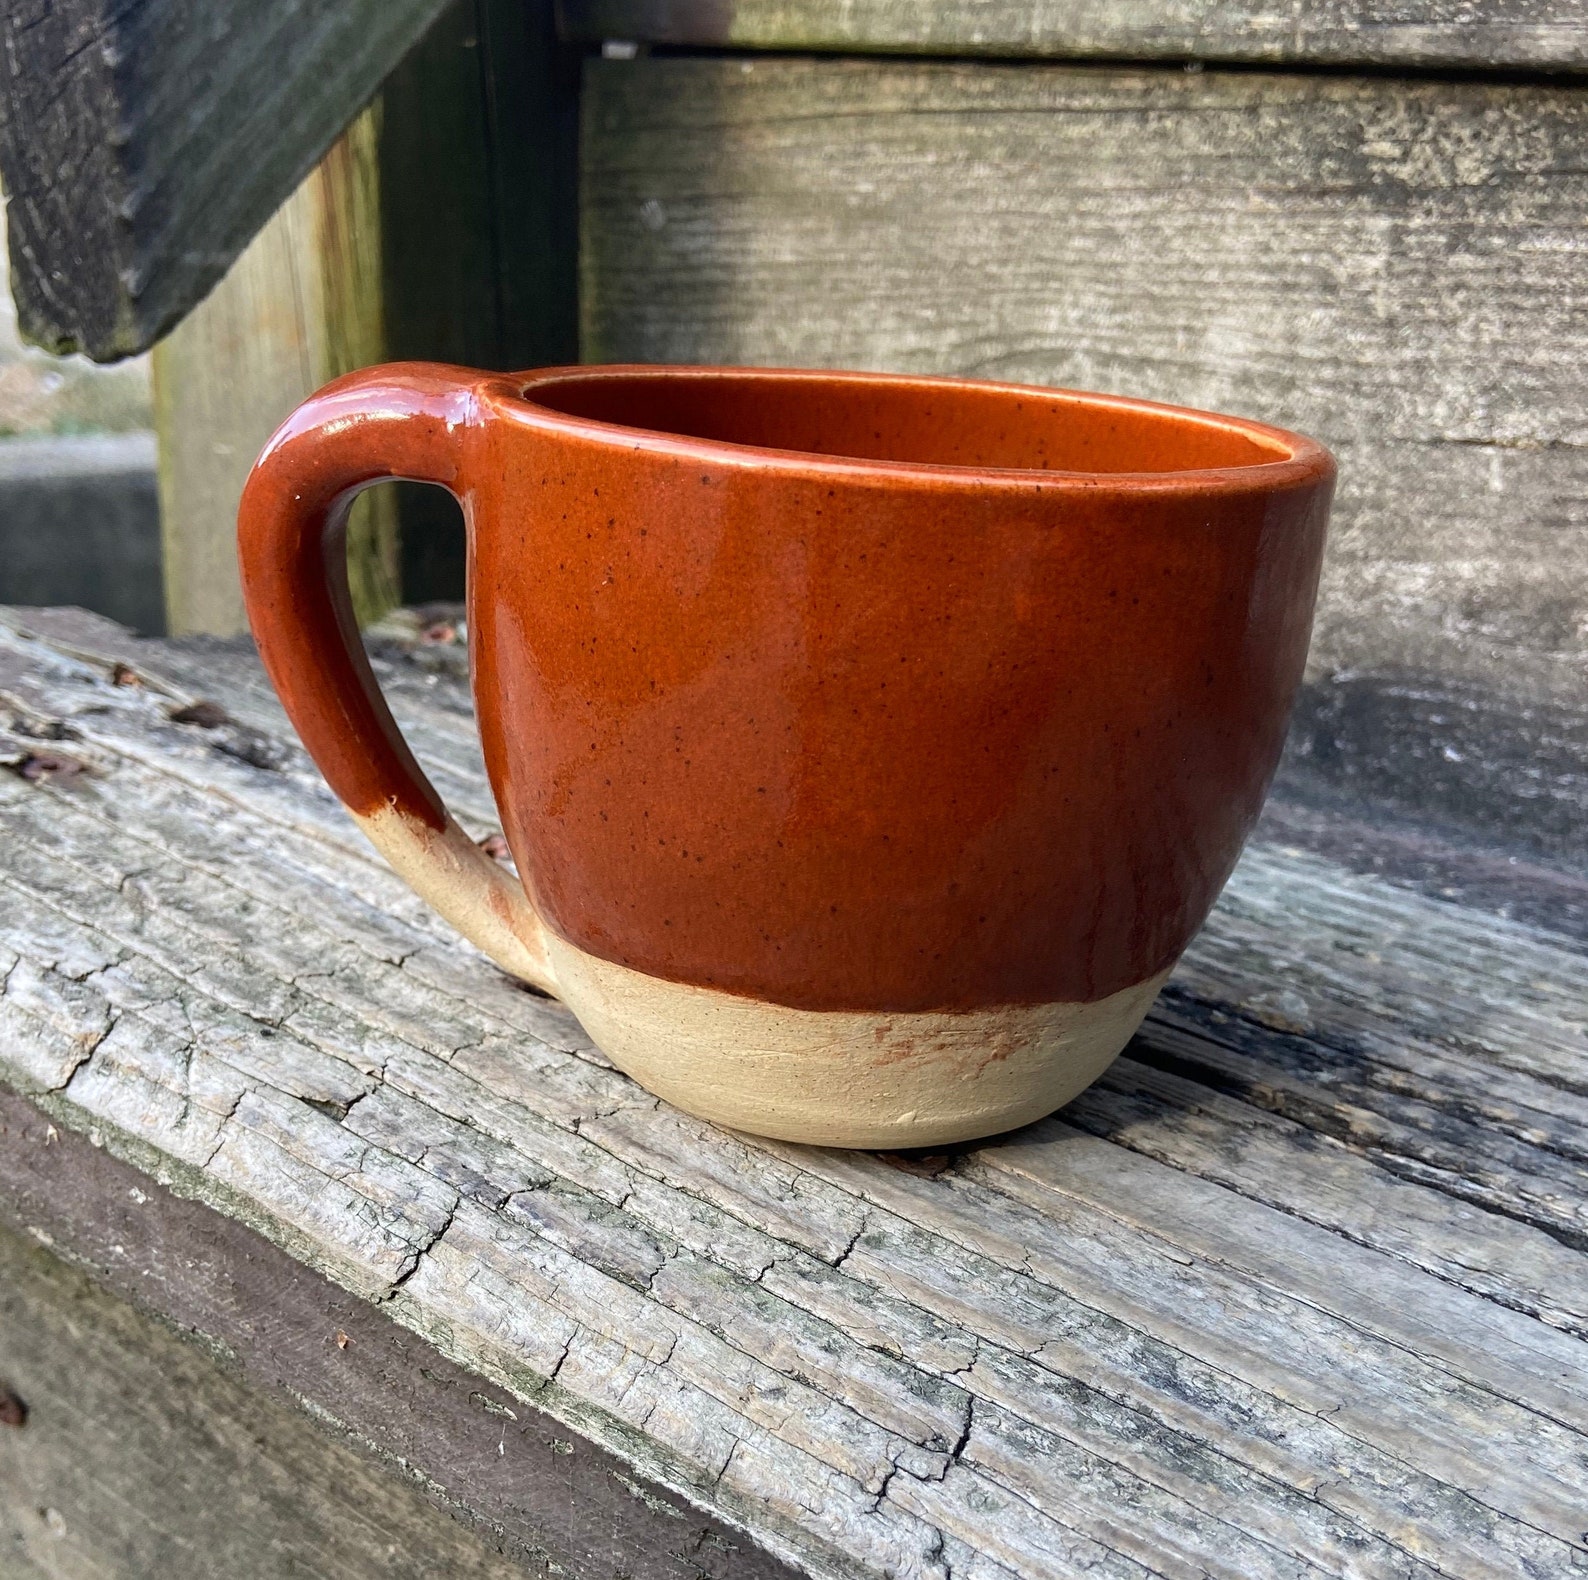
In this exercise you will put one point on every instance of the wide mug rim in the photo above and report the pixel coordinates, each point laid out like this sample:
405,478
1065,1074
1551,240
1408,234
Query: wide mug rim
1300,461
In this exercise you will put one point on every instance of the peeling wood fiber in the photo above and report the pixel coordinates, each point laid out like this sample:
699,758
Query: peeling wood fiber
202,1405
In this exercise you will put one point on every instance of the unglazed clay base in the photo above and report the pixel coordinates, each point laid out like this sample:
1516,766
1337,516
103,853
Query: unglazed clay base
830,1078
837,1079
447,870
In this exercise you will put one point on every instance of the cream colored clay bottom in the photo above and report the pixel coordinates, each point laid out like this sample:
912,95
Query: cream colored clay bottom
838,1079
831,1078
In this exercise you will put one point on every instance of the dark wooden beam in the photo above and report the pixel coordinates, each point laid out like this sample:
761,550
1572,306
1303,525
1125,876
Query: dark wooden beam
479,226
144,142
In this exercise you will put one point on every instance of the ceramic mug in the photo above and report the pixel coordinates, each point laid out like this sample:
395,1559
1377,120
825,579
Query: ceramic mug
869,747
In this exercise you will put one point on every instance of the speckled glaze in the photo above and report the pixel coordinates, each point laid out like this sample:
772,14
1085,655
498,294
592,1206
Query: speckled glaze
887,699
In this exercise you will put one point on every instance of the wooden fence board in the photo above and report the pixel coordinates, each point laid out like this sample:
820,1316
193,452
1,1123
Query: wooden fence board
1395,267
1494,34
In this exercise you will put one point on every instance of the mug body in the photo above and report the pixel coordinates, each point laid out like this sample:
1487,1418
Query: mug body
871,747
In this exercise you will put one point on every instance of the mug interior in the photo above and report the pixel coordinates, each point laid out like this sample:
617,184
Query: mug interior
930,422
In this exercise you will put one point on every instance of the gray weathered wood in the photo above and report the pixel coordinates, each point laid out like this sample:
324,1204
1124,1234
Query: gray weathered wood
1392,266
144,1458
301,305
142,145
1298,1289
112,1404
1492,35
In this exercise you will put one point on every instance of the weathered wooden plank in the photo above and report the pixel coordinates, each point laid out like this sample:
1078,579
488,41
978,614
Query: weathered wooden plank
868,1365
1064,1287
1449,751
1358,1195
376,1424
1351,920
1494,35
134,1462
1389,265
1198,1220
301,305
142,145
1214,1390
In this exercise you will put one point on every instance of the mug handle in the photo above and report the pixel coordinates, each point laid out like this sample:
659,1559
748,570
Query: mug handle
408,421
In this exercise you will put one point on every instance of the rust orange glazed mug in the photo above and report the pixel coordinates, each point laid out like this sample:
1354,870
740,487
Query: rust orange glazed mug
869,747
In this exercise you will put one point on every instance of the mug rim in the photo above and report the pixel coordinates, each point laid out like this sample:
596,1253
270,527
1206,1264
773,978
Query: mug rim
1308,461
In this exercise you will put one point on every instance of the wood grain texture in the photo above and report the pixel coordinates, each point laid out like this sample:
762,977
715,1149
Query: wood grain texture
1459,754
142,145
1391,266
1298,1289
1494,35
144,1457
374,1417
301,305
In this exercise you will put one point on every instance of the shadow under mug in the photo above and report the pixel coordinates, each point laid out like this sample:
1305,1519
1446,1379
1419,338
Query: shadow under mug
869,747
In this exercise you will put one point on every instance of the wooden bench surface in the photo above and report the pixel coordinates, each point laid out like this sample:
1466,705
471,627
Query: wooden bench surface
1298,1288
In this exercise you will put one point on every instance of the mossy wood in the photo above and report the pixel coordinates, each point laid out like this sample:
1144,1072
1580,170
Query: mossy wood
1298,1288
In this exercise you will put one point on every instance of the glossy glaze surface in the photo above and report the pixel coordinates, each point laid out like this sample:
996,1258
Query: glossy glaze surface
869,695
